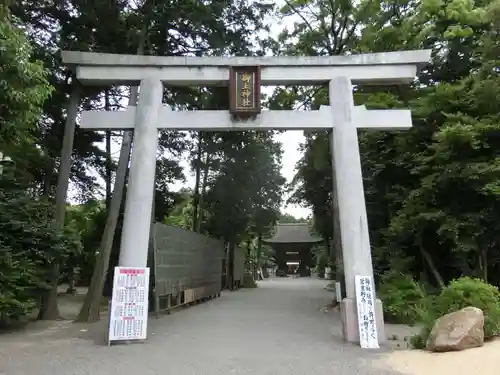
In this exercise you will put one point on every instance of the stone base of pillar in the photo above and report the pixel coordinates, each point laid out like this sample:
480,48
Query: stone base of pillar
349,316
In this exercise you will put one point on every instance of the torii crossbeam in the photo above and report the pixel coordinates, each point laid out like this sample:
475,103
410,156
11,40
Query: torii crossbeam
396,119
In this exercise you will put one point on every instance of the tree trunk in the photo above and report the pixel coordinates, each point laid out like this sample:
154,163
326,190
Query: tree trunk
203,191
259,253
249,259
48,304
109,160
432,267
71,282
226,265
196,195
46,182
483,264
230,265
90,311
232,247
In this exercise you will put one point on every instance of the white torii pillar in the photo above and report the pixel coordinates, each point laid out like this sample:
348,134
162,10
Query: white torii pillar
134,243
341,116
354,233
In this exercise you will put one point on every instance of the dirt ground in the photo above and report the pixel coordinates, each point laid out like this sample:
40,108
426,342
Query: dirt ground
276,329
480,361
78,340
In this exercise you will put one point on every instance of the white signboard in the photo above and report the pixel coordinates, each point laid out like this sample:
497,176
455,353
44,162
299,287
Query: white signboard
338,291
365,301
128,318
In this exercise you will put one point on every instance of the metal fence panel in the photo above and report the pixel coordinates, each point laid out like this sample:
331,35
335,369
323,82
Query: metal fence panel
185,260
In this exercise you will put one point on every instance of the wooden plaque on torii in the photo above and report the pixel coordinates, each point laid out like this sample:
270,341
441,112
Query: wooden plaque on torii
244,91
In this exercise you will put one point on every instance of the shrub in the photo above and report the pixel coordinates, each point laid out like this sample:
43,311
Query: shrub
29,246
426,318
468,291
460,293
402,298
419,341
18,284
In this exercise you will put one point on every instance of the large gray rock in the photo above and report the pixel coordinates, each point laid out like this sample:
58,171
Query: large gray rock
458,330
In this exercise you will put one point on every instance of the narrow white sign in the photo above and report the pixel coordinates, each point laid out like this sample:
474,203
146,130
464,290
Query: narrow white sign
338,291
128,318
365,301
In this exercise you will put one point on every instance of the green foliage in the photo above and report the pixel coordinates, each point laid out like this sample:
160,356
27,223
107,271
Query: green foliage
87,221
402,298
468,291
461,293
195,28
182,214
419,341
246,192
287,218
414,181
28,248
23,82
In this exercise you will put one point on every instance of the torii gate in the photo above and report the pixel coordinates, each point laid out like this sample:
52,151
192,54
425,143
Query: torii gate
342,117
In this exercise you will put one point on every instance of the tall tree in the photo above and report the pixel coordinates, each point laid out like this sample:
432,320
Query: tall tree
415,223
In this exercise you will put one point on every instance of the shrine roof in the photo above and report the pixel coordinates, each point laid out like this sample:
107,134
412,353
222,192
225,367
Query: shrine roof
293,233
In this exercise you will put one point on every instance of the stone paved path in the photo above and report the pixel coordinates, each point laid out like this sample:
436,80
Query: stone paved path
277,329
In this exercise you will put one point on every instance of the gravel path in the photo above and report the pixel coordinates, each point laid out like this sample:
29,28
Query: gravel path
277,329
